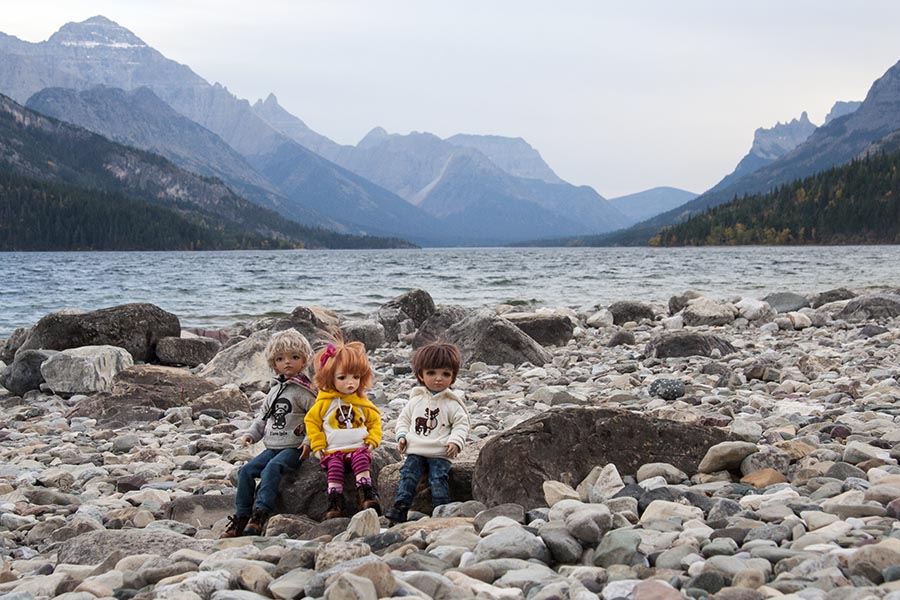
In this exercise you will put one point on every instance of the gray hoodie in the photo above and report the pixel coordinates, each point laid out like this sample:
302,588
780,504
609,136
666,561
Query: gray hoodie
279,422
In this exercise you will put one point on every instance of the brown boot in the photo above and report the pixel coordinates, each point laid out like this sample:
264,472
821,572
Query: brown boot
257,524
367,497
236,525
335,505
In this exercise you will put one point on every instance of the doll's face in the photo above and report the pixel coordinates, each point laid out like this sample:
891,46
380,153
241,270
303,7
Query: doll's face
289,364
437,380
345,383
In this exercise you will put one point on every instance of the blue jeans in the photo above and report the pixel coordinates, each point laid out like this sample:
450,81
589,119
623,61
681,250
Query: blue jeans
438,479
269,465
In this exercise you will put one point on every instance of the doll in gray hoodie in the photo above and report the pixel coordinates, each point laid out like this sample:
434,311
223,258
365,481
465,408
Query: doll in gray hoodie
279,424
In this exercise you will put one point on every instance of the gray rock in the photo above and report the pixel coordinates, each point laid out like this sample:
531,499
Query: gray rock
864,308
682,343
135,327
24,374
435,326
831,296
667,389
416,304
679,302
369,331
486,337
15,341
617,548
190,351
512,542
85,370
621,337
626,311
784,302
243,363
563,546
547,329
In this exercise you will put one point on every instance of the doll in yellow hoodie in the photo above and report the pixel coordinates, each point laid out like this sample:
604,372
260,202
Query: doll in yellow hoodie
343,426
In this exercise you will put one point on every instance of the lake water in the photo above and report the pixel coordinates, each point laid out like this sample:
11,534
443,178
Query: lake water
212,289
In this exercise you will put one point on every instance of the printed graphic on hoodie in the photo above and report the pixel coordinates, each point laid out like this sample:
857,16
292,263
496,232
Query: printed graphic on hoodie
426,424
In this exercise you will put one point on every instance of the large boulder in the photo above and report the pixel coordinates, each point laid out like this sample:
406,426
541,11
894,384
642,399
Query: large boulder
884,306
681,343
243,364
302,490
547,329
85,370
626,311
24,374
435,327
704,311
142,393
484,336
314,322
414,306
96,546
591,437
784,302
678,302
368,331
189,351
15,341
135,327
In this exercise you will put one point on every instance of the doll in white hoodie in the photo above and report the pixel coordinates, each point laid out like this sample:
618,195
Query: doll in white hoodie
431,429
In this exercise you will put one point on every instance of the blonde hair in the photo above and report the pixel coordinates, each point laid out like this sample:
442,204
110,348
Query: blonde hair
287,341
347,358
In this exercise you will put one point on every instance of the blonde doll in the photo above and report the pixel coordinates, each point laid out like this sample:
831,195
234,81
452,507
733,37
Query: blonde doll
343,425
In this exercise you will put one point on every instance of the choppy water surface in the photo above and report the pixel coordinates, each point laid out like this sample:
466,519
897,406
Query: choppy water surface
218,288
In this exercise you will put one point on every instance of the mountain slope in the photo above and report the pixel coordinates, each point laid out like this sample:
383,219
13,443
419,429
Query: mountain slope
98,51
834,144
140,119
857,203
513,155
45,149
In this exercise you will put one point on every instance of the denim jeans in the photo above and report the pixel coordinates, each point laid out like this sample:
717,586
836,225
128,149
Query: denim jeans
269,465
438,479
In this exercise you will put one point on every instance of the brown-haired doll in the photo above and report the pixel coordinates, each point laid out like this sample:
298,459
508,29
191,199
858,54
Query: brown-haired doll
343,425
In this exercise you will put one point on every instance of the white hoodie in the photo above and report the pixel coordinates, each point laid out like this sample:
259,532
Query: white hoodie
431,421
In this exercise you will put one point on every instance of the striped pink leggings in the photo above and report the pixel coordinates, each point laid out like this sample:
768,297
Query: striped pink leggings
335,463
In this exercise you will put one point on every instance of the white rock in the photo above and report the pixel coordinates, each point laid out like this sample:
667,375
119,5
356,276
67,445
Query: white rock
85,370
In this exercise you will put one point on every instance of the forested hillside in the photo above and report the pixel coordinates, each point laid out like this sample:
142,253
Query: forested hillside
858,203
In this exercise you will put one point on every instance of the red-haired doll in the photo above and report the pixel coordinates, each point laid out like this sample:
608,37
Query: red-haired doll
343,426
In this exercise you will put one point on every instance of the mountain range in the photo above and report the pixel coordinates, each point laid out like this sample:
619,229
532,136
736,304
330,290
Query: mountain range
37,148
466,189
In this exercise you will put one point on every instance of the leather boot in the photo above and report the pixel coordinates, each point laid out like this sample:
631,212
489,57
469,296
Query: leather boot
236,525
397,513
367,497
257,524
335,505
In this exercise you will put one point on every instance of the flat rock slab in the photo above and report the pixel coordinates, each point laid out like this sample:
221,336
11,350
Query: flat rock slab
94,547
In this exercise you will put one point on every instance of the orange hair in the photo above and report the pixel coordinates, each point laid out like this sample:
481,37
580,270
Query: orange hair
347,358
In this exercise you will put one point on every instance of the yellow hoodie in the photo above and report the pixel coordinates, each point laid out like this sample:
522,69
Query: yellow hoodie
342,423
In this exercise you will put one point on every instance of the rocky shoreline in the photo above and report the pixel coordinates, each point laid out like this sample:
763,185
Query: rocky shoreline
735,450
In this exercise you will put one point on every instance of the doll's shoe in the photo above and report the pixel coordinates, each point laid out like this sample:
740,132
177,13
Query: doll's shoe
335,505
367,497
236,525
397,513
257,524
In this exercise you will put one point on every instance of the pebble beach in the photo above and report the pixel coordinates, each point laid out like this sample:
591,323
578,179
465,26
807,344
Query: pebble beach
118,460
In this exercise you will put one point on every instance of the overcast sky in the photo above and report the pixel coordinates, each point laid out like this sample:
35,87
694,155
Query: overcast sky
619,96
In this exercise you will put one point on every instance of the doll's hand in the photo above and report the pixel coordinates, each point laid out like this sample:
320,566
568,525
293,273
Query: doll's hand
401,444
246,440
370,447
304,451
452,450
319,454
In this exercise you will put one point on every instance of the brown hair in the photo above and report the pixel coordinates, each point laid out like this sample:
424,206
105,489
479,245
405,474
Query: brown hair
348,358
436,356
